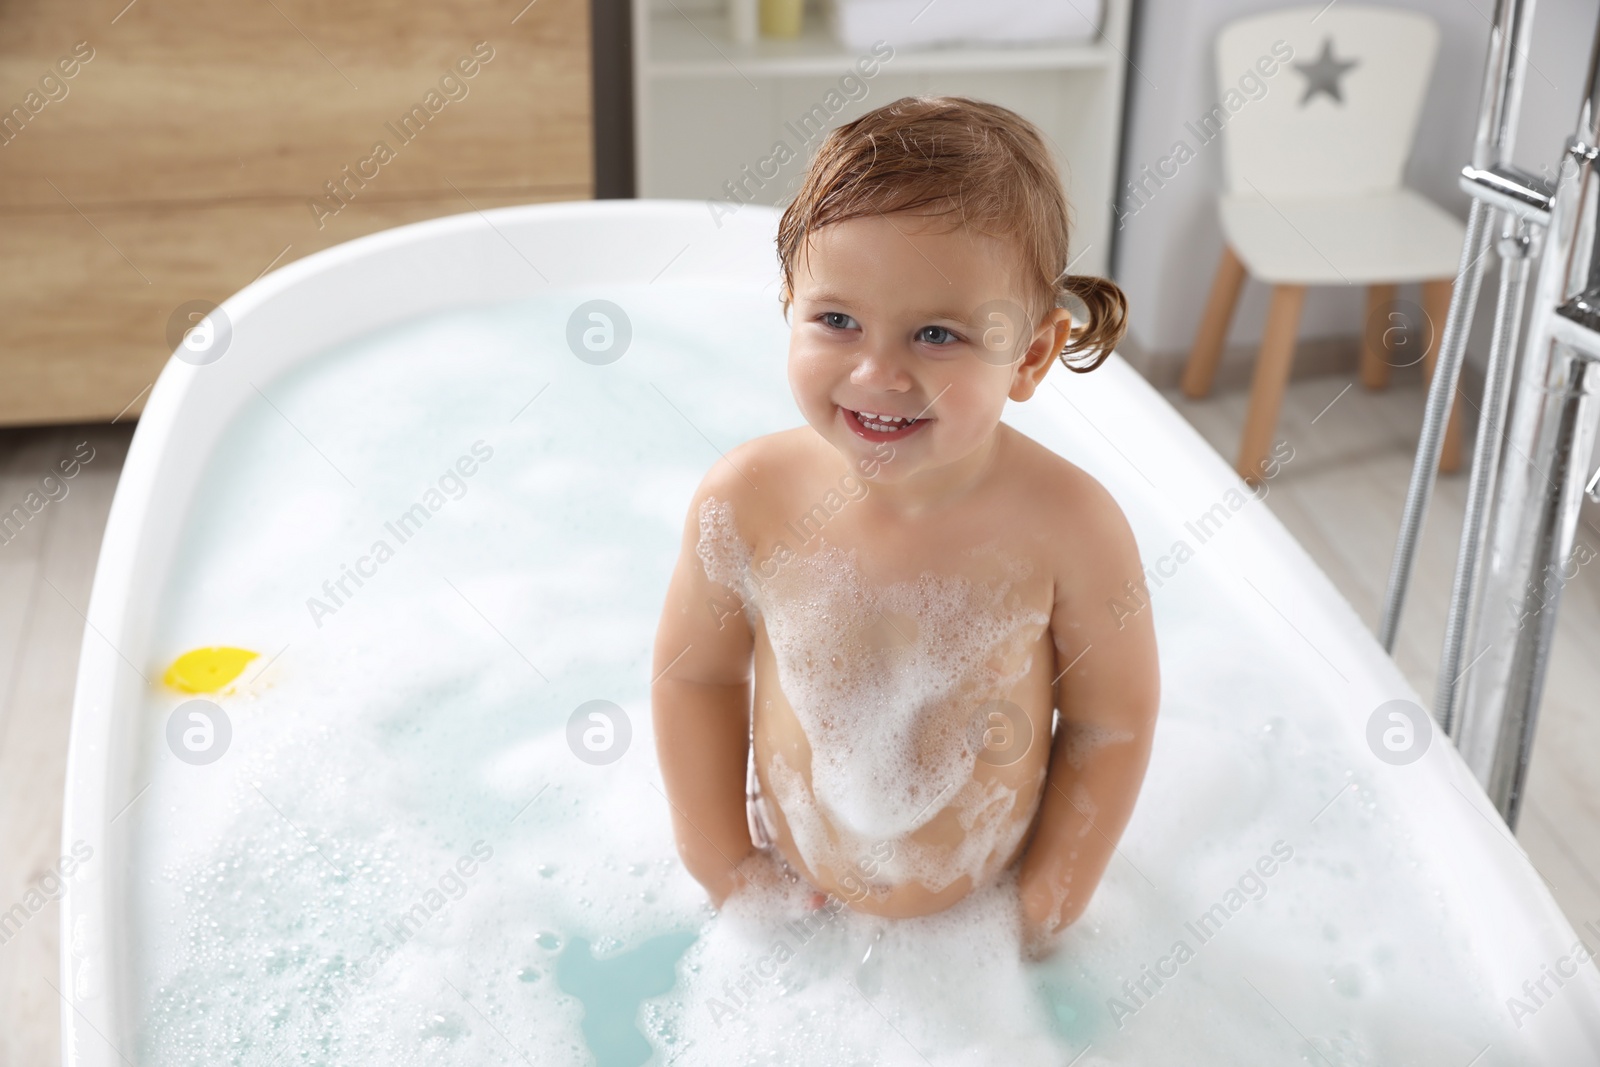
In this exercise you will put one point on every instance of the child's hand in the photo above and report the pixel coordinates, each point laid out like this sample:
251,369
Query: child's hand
762,869
1041,922
1039,943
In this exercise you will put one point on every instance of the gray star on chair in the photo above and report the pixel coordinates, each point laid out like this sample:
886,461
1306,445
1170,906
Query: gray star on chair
1323,75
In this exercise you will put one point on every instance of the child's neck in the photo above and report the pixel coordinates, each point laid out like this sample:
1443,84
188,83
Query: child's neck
924,492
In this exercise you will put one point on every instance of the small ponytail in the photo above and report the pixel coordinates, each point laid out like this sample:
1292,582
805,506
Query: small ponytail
1105,324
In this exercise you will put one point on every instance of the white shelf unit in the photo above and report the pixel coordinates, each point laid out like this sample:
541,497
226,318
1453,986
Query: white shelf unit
706,108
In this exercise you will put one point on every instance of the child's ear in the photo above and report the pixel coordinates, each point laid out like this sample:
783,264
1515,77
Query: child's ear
1054,330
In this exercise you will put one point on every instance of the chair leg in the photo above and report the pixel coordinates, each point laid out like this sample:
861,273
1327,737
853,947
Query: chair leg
1374,364
1208,342
1436,305
1271,377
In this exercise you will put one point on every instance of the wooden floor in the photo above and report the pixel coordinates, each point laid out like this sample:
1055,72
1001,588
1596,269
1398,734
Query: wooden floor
45,575
1341,496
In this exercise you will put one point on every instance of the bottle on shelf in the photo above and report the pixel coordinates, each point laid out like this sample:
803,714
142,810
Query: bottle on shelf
781,18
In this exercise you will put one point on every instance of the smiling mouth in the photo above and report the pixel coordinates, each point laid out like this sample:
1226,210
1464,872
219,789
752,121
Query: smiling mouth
875,426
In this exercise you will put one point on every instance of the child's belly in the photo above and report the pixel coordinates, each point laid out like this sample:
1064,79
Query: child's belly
901,755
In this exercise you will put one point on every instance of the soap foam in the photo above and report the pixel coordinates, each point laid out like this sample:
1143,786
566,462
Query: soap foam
884,679
779,981
983,811
724,554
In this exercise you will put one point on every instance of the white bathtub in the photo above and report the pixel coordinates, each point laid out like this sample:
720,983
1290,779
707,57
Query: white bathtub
1253,578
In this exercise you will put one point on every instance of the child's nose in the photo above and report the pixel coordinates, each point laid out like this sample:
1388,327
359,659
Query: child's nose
880,367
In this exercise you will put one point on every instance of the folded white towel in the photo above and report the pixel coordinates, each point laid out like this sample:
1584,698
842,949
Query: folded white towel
912,23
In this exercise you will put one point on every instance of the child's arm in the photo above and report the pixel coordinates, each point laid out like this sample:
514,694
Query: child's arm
700,705
1107,699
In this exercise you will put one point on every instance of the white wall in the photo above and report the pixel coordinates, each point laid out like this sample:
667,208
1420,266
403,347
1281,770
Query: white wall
1167,252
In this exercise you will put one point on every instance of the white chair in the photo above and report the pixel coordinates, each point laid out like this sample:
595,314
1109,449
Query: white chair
1313,195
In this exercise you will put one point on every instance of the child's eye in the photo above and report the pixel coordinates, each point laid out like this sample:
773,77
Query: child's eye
838,320
936,335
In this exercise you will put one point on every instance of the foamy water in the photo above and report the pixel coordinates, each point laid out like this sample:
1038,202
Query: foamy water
305,899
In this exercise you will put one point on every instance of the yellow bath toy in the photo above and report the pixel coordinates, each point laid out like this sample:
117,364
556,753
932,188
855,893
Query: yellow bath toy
206,670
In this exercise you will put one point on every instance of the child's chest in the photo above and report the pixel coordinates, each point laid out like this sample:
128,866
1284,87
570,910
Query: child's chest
890,665
897,616
817,540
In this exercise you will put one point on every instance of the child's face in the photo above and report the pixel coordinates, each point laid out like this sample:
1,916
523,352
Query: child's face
902,315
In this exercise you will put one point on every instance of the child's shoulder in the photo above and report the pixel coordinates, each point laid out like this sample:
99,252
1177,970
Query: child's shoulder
752,476
1059,482
784,452
1063,496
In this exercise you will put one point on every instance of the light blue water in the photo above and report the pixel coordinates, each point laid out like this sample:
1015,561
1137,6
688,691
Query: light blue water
303,899
612,990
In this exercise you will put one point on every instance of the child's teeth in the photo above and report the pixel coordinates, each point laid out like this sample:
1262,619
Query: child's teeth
884,422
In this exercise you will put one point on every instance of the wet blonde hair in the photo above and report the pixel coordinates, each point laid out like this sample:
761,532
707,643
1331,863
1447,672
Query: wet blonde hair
983,164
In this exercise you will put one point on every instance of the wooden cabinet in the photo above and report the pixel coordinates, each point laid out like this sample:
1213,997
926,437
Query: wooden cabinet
200,144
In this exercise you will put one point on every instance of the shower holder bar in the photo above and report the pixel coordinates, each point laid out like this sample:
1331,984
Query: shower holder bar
1510,189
